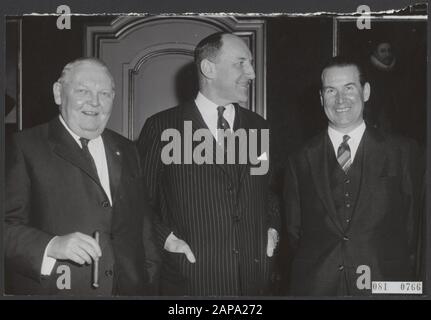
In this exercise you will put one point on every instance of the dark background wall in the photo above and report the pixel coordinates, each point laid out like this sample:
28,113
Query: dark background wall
296,49
45,51
406,83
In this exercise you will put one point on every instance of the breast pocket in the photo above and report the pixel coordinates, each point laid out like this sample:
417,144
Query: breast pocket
387,186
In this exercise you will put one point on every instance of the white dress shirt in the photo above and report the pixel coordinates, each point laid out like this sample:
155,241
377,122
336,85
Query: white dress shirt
354,141
208,110
97,151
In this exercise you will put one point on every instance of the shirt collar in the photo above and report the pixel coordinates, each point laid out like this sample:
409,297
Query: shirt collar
354,141
206,106
74,135
208,110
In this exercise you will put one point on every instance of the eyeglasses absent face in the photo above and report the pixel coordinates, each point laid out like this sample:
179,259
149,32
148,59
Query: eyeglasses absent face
85,98
233,70
343,97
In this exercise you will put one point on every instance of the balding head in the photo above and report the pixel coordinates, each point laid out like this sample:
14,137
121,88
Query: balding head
87,60
225,68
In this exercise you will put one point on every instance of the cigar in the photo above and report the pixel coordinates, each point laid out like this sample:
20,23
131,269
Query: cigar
96,264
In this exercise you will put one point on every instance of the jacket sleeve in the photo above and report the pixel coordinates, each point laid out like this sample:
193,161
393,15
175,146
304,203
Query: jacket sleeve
292,208
149,147
24,244
414,188
273,217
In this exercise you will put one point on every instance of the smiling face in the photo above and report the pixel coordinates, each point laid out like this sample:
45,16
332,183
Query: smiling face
85,97
343,97
233,72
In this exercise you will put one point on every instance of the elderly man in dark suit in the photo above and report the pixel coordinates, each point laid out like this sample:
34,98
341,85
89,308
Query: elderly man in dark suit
67,179
351,196
214,221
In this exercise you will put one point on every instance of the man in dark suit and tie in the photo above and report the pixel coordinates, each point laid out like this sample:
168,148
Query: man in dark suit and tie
67,179
351,197
215,222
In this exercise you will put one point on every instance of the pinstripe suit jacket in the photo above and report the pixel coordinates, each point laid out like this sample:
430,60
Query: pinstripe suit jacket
221,211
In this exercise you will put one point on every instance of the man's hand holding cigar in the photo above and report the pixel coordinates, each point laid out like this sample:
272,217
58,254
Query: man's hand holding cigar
78,247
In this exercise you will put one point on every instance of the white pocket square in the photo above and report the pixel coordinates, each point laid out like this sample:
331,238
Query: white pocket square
262,157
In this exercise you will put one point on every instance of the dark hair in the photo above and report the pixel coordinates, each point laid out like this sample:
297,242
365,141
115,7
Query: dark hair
342,61
378,41
208,47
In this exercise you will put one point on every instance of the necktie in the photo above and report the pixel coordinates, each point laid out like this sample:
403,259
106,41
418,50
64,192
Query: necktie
221,121
222,124
343,154
87,154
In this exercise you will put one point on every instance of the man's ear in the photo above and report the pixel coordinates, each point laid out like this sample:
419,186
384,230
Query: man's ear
208,69
56,89
321,97
367,91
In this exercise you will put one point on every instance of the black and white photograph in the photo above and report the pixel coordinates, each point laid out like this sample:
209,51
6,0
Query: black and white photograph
216,155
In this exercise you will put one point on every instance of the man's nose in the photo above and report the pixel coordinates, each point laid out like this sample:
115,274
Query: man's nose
340,97
94,99
249,71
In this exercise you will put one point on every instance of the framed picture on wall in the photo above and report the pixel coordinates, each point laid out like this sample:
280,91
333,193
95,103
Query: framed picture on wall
393,53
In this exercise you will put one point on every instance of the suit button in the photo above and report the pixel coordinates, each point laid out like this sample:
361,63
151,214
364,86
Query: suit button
235,251
348,220
347,181
346,238
105,204
347,194
340,267
108,273
348,205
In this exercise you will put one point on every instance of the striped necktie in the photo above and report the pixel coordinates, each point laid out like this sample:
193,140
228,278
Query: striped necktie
343,155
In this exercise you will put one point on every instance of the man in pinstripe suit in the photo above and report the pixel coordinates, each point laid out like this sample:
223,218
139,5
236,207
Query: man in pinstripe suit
215,222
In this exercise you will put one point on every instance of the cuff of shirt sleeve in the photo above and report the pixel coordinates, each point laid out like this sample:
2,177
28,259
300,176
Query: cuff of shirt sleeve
273,232
272,239
47,262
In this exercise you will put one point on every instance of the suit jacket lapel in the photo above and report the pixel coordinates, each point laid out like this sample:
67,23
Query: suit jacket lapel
191,113
114,159
374,160
240,123
317,157
67,148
